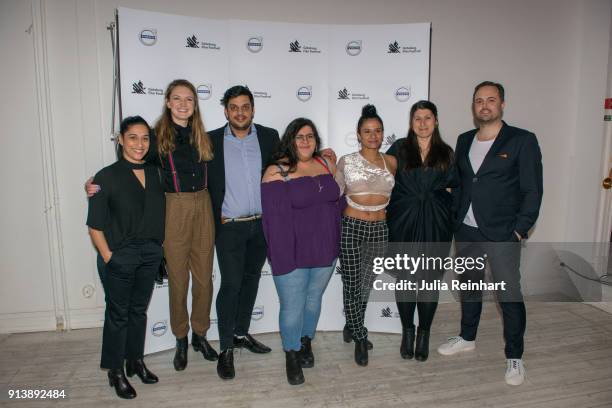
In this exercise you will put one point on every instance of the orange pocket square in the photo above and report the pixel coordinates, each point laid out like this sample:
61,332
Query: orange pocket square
503,155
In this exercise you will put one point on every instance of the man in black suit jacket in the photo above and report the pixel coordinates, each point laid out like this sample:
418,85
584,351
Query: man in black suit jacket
242,150
497,203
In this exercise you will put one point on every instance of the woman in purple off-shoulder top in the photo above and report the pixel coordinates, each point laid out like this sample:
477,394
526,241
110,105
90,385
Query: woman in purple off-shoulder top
301,221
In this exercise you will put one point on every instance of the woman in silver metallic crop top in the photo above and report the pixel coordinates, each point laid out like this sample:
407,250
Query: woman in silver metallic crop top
366,179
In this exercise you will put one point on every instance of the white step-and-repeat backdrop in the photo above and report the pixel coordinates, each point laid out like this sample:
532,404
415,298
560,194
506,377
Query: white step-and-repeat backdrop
323,72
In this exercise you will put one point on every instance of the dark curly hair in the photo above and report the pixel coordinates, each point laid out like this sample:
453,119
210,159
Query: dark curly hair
286,152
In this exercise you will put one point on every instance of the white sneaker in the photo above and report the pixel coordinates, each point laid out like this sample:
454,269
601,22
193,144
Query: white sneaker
456,345
515,371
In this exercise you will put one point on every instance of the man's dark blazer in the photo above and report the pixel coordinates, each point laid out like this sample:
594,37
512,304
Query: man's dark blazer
268,140
506,191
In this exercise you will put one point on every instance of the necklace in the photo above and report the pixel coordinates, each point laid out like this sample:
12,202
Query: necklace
320,185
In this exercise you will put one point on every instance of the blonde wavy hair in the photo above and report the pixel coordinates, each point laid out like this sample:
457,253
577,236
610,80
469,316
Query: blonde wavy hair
165,132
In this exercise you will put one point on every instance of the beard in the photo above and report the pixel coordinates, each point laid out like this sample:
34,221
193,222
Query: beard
241,127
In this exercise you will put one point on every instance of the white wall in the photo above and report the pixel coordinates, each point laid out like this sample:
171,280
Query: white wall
552,56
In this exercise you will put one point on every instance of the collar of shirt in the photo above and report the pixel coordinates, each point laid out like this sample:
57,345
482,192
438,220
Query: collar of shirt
182,133
227,133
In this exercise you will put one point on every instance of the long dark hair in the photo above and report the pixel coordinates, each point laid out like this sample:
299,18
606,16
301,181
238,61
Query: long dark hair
440,154
286,152
126,124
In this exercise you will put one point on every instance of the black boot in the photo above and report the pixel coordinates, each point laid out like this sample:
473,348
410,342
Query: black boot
225,365
306,356
295,375
200,343
407,346
347,336
421,349
116,378
361,352
180,356
139,368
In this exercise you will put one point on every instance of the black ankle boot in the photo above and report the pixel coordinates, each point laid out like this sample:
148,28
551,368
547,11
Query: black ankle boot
295,376
407,346
180,356
306,355
139,368
347,336
361,352
116,379
421,349
200,343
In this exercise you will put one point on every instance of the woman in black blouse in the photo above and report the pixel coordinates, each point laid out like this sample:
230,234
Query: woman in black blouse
420,213
181,147
125,222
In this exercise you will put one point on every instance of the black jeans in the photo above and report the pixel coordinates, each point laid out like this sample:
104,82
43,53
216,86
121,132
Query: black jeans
128,283
504,259
241,253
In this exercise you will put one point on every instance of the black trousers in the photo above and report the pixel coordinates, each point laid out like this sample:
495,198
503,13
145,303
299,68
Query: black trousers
241,253
128,281
504,260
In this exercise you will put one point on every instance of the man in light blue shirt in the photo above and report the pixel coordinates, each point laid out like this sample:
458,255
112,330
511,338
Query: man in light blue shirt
242,150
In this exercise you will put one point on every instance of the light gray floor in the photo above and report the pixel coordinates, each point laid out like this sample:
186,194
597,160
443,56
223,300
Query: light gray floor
568,359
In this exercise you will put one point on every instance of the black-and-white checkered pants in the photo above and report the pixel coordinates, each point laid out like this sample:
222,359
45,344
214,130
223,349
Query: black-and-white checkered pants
361,241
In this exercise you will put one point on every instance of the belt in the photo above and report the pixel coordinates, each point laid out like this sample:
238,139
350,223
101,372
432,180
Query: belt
241,219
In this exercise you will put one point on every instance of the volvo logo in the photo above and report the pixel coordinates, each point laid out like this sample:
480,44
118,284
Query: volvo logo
258,313
350,139
204,91
402,94
304,93
353,48
255,44
148,36
159,328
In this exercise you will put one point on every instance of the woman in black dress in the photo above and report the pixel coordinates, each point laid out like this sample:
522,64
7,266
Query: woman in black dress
126,224
420,212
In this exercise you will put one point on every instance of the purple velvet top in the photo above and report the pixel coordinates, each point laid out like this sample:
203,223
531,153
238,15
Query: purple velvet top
301,222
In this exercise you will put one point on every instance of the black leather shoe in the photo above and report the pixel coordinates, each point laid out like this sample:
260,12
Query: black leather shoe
249,343
361,352
407,346
348,337
139,368
421,349
200,343
295,376
225,365
123,388
306,356
180,356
